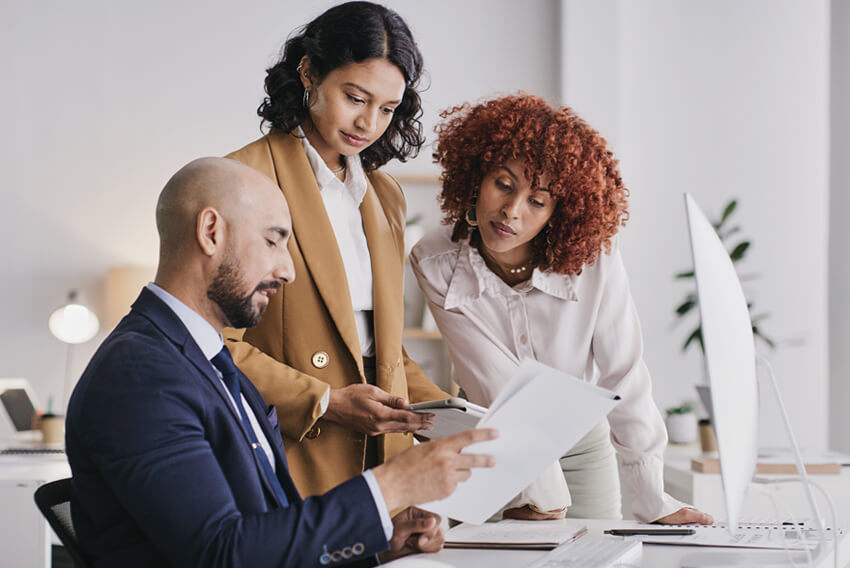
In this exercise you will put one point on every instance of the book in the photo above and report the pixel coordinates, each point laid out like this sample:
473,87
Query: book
515,534
768,466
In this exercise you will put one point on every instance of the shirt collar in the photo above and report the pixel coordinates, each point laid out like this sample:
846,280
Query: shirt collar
355,177
204,334
471,278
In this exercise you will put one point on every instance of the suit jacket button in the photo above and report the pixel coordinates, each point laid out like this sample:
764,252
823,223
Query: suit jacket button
320,359
313,432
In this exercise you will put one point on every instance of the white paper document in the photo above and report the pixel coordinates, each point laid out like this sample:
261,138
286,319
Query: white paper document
540,414
513,533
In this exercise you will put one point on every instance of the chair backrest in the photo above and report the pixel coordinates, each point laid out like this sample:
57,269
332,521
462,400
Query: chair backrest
54,502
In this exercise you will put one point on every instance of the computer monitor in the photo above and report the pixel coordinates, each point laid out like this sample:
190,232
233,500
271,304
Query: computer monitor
18,409
730,360
729,357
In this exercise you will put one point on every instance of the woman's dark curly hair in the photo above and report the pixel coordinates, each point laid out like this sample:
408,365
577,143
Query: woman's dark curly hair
590,199
350,32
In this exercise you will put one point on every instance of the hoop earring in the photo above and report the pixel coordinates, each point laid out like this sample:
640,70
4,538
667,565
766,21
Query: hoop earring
305,100
470,217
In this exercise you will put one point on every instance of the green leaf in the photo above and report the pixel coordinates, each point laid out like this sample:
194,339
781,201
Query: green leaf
757,333
688,274
730,207
685,307
739,251
695,335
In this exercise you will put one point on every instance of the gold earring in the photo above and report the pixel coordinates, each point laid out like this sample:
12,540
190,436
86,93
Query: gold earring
471,218
305,100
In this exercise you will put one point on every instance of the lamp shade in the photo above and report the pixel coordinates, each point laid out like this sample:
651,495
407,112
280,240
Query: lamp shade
121,288
73,322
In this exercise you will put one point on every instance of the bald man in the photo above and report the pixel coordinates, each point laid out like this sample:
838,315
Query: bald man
176,459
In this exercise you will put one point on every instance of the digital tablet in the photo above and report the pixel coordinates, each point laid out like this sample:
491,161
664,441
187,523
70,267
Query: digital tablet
451,415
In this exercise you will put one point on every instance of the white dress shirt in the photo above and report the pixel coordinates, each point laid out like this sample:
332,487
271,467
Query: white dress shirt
211,342
584,325
342,203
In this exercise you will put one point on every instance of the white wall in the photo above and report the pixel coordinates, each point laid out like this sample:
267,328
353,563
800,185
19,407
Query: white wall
102,101
720,99
839,233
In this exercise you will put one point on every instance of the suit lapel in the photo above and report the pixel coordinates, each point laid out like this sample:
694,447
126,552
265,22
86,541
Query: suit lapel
167,321
314,235
386,281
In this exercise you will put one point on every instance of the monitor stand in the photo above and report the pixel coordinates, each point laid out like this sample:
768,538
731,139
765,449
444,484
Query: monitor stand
753,557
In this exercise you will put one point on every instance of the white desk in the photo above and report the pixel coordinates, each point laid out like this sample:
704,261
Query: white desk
705,491
653,556
25,536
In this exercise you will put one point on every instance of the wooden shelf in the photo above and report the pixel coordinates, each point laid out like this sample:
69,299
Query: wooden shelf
418,333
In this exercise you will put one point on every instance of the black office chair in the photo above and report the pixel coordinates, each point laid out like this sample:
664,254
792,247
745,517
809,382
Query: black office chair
54,502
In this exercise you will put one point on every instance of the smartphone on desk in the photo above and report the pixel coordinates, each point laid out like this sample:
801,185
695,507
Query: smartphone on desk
451,415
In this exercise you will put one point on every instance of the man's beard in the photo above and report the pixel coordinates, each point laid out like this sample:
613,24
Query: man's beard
239,311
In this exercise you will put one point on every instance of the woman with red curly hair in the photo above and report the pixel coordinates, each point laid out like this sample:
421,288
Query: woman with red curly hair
529,266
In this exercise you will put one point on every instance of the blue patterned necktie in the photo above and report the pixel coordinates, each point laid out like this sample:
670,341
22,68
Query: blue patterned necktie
230,375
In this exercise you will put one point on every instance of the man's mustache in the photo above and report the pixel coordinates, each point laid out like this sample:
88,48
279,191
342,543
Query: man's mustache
271,285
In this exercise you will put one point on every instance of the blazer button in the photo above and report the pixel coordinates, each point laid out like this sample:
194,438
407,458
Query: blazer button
313,432
320,359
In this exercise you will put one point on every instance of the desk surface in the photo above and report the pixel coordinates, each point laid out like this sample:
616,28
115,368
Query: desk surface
654,556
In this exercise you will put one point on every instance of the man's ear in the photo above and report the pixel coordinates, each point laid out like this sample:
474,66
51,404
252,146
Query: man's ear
210,230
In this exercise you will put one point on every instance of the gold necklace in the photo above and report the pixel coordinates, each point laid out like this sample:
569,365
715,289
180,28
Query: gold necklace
519,269
339,171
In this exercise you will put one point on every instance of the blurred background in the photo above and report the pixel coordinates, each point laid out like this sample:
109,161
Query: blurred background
101,101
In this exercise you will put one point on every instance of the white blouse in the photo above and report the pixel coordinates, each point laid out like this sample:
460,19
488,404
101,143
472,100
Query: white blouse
585,325
342,202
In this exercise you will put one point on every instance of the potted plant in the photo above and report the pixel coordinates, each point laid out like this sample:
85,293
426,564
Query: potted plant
681,424
737,251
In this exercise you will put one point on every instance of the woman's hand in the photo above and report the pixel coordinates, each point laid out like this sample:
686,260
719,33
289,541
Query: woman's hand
368,409
526,513
686,516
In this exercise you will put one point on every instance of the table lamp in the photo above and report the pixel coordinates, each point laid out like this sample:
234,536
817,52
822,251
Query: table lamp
73,323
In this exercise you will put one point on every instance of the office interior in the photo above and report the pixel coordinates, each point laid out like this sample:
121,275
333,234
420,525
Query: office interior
103,101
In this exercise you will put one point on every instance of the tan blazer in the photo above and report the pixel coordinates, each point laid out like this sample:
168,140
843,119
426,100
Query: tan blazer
307,338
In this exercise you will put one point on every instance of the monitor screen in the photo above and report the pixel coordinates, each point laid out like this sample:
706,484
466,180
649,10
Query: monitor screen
729,357
18,405
19,408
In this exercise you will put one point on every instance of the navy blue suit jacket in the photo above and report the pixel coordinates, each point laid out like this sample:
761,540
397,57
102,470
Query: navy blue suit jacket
163,472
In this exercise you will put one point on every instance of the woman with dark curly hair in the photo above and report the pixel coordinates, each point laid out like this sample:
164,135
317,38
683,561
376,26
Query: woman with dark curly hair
341,102
529,267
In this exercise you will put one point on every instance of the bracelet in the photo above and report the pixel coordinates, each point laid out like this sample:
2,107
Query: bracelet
542,512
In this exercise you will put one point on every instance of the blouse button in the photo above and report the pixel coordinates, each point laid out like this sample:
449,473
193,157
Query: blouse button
523,339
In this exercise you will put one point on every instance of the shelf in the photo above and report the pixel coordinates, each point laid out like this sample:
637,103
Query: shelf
418,333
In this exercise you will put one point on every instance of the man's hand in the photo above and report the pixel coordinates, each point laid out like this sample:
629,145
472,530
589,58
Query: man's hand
431,471
686,516
414,530
368,409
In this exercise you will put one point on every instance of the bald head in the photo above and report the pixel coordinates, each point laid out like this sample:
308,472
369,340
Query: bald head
223,230
230,187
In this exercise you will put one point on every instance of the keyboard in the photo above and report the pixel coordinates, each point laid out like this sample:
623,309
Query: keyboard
589,553
30,451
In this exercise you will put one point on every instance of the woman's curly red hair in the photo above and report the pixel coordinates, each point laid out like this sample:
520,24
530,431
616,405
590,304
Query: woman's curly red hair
591,201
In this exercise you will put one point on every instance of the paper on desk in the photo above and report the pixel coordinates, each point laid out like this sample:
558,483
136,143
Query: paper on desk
540,414
516,532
